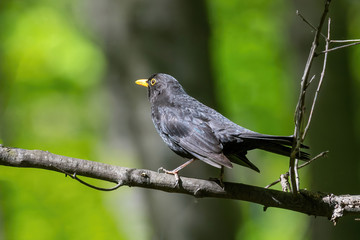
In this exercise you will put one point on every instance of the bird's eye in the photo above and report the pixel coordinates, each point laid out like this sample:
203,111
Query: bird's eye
152,82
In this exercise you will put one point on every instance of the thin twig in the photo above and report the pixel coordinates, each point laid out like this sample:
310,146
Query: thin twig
345,41
307,22
320,83
275,182
310,81
300,109
322,154
73,176
297,178
337,48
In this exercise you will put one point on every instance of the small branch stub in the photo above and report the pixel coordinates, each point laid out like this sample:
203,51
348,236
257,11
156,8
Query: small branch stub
284,181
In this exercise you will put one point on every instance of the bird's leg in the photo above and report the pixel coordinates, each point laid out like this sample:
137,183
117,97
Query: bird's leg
221,178
222,170
176,170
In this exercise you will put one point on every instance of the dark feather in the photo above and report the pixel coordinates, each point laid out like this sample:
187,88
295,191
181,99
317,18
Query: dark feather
193,137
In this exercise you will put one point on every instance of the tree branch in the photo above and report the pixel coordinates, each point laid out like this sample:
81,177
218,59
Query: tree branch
311,203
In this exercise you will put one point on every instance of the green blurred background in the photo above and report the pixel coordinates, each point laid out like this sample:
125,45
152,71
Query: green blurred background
67,71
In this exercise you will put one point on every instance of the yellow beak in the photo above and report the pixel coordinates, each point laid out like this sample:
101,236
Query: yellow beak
142,82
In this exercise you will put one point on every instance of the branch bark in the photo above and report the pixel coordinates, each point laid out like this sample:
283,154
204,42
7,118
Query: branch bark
311,203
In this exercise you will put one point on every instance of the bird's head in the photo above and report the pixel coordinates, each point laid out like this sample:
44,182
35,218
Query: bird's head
161,86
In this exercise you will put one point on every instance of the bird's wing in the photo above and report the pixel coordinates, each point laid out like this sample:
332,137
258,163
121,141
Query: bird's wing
196,137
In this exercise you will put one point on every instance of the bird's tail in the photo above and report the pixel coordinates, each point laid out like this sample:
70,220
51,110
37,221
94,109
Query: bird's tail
275,144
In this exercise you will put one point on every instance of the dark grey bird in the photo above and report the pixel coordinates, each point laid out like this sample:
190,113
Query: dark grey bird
195,131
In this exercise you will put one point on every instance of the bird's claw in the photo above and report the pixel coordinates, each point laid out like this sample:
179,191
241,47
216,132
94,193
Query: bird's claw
161,169
177,180
218,181
175,173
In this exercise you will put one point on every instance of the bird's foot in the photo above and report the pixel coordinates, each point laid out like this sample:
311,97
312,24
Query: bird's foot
220,180
173,172
221,183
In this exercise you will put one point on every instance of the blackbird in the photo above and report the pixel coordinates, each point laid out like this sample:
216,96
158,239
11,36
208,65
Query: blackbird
195,131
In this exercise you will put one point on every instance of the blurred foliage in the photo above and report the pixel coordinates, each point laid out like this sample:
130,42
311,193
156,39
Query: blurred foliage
52,98
51,71
353,30
254,85
250,63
